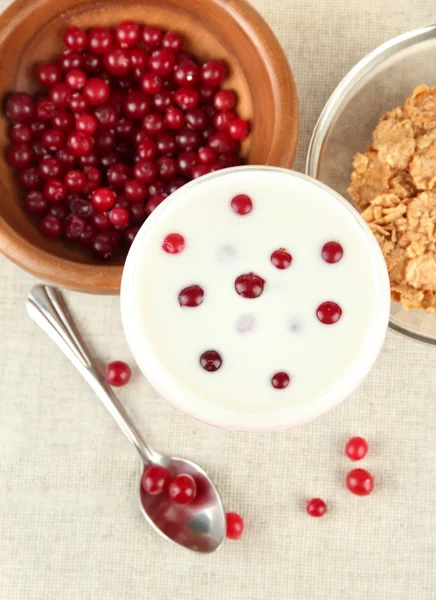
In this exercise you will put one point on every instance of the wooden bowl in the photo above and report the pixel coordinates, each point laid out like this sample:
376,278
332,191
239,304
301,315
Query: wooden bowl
31,31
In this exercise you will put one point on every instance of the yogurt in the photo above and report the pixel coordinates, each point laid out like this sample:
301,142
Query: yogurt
255,298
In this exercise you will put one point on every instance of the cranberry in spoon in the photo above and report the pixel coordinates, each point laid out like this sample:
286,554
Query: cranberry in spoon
199,525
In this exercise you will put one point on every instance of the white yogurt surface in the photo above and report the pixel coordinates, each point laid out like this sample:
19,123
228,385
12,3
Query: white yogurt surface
278,331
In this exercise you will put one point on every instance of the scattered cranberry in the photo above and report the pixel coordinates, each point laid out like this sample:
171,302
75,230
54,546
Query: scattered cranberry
316,507
155,480
182,489
332,252
211,361
360,482
191,296
117,373
356,448
174,243
329,313
234,526
241,204
249,285
281,259
280,380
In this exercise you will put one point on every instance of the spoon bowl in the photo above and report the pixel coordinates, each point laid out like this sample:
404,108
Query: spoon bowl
199,525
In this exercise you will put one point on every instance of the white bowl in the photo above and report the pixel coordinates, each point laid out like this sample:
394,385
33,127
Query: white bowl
223,416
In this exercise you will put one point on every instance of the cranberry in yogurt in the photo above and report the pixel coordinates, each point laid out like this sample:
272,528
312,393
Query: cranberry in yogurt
255,298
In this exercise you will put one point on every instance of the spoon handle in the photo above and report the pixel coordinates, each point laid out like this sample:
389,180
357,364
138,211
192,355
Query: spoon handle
46,307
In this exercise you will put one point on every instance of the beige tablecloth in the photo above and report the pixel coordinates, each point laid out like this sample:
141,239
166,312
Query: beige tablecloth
70,527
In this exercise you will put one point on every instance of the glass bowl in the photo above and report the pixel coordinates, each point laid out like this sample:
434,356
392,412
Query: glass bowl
379,82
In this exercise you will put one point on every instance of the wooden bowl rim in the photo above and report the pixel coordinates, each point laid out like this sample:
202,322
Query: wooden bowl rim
106,279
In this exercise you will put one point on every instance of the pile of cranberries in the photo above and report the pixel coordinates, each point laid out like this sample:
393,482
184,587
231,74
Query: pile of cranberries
126,117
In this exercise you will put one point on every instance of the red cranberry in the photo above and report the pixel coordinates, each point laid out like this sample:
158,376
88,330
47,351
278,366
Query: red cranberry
167,167
152,36
92,63
186,73
89,160
356,448
20,133
86,124
137,105
36,204
154,202
30,179
151,83
106,115
48,73
93,175
134,190
63,120
222,120
242,204
206,155
96,91
166,145
128,34
224,100
117,373
74,227
199,171
125,128
138,213
360,482
103,199
55,190
119,216
238,129
174,118
53,139
104,141
59,94
210,110
138,60
71,59
222,143
249,285
280,380
86,238
234,526
130,234
117,61
329,313
147,150
118,174
75,38
175,184
210,130
50,168
186,162
162,101
75,180
153,124
188,139
19,155
20,108
196,118
67,159
77,103
60,210
102,221
38,149
75,79
51,227
162,62
187,98
109,158
81,208
157,188
100,40
281,259
316,507
332,252
155,480
105,244
191,296
213,72
182,489
145,171
211,361
80,144
173,41
174,243
207,94
37,128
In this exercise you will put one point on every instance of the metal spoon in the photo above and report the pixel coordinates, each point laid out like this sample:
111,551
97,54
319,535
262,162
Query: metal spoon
199,525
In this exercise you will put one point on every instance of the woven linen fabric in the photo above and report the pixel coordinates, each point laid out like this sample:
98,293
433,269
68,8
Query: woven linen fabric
70,525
